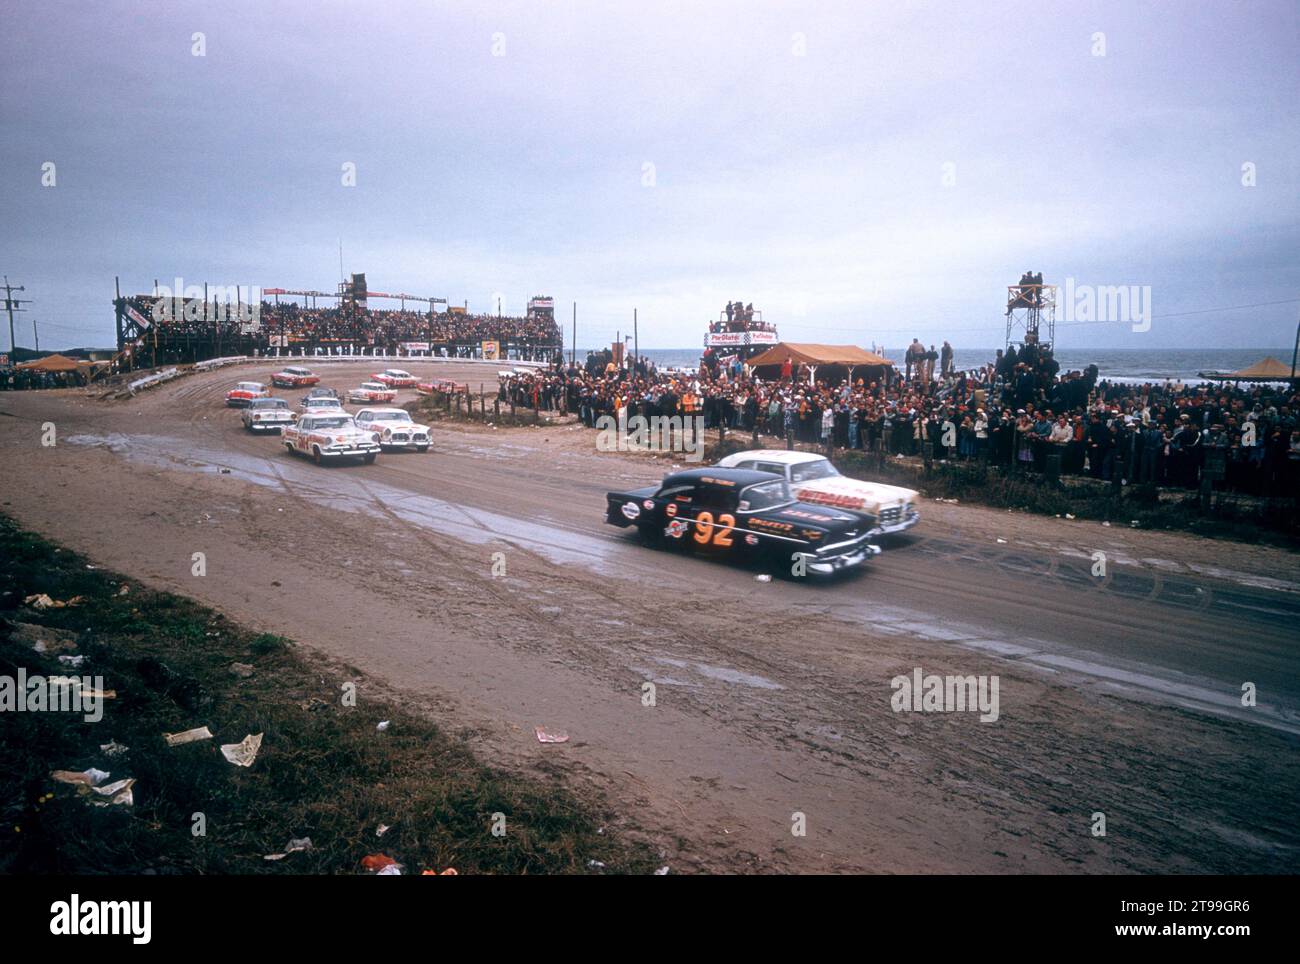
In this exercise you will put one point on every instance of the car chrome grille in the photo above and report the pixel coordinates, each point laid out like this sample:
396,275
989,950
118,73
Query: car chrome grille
891,515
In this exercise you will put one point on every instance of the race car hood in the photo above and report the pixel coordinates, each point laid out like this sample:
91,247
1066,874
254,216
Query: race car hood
846,491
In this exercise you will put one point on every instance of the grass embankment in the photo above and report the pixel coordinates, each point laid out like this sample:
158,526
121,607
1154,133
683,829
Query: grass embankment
324,771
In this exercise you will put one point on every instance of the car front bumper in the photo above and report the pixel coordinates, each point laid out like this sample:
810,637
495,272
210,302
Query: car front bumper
855,557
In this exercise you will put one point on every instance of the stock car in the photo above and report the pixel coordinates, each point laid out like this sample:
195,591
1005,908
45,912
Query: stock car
394,428
267,415
444,385
329,436
744,515
323,403
245,392
815,480
316,393
396,378
371,393
294,376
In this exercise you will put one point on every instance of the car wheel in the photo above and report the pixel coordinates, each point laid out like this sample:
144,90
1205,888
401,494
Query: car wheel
368,457
316,455
422,448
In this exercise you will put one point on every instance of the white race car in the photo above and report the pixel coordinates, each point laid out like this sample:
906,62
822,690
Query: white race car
372,393
327,436
267,415
396,378
814,479
394,428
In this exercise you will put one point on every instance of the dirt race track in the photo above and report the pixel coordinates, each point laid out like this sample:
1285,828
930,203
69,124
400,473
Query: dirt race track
1119,695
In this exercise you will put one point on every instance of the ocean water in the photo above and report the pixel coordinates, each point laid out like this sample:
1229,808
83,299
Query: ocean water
1118,364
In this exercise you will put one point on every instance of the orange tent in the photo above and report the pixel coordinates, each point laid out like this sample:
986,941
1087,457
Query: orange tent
51,363
802,354
1268,370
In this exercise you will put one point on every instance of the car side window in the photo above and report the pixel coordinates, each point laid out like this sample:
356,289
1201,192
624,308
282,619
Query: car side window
716,497
771,467
677,491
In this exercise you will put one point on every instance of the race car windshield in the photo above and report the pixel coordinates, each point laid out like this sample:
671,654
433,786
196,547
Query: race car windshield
392,417
765,495
270,403
820,469
332,423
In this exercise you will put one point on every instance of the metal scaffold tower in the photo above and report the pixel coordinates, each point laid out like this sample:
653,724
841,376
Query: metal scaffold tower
1031,313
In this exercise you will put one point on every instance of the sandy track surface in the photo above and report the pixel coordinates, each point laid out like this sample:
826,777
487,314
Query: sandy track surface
1118,695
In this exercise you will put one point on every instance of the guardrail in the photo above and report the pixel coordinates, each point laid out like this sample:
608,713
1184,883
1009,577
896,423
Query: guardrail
210,363
149,381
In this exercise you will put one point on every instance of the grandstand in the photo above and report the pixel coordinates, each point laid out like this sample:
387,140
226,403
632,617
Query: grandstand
153,330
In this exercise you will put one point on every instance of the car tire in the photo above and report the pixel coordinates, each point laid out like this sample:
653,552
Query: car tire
368,458
316,455
422,449
288,447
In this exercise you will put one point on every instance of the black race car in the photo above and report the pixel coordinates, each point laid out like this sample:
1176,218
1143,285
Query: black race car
319,392
744,514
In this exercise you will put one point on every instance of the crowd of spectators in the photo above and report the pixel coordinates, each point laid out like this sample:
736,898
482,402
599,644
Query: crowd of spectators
293,326
1015,411
21,379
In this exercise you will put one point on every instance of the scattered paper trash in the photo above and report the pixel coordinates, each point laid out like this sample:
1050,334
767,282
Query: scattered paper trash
73,661
382,829
663,871
88,778
293,846
763,577
596,864
543,736
116,794
113,748
1106,524
1069,516
383,725
243,753
41,601
188,736
1003,541
124,590
242,670
392,870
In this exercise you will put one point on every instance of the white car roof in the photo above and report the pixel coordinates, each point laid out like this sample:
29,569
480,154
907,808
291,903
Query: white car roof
780,456
374,386
396,371
386,411
248,385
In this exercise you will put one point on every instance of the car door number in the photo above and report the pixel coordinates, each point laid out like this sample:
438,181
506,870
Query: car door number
705,529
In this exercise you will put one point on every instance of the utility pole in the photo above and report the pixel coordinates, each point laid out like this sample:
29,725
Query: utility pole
1295,351
11,305
573,348
35,337
636,343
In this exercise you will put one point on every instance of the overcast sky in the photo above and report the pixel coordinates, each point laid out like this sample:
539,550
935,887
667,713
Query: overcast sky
861,173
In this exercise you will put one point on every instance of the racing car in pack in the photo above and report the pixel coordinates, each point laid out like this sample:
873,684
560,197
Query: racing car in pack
395,378
322,403
814,479
394,428
267,415
371,393
444,385
318,392
294,376
245,392
746,516
329,437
